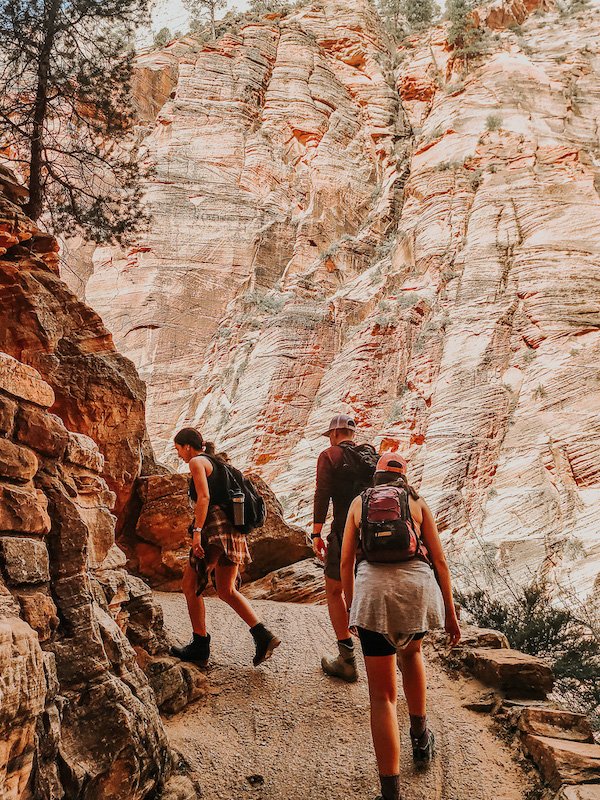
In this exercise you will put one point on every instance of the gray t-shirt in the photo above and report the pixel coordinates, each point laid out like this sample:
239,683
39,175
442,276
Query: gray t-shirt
397,599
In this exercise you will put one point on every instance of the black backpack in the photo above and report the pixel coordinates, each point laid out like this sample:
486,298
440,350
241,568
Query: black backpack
359,465
233,482
387,530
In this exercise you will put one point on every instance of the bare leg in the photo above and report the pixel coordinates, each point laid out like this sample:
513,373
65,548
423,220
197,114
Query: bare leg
381,675
225,578
414,679
338,610
196,607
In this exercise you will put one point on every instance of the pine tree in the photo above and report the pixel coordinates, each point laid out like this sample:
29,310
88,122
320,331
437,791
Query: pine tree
203,10
465,36
419,13
391,11
65,110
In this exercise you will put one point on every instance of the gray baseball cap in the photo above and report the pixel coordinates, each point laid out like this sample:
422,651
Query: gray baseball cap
341,421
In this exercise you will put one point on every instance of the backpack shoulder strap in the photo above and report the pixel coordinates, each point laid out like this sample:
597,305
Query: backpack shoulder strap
366,496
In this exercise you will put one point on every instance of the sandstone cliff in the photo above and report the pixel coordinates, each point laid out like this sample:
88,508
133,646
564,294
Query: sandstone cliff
97,391
84,664
340,224
83,653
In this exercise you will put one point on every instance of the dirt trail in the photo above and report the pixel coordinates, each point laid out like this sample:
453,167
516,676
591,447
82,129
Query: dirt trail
307,736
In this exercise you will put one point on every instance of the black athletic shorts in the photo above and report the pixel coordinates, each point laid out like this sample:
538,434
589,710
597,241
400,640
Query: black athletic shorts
333,556
375,644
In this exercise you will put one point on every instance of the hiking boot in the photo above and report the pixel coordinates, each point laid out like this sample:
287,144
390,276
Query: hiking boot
265,643
423,748
342,666
197,651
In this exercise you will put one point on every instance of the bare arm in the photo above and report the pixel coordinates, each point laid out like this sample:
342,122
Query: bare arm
431,538
321,503
198,472
349,545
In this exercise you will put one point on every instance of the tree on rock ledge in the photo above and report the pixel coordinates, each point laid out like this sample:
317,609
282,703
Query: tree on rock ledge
201,10
465,34
402,16
65,110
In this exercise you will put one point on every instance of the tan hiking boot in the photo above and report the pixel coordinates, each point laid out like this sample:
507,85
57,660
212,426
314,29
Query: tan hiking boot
342,666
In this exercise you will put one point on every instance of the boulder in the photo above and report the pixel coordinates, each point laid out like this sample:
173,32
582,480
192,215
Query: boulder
472,638
277,544
23,509
8,410
562,761
24,560
83,451
16,462
515,673
43,432
302,582
587,791
23,382
166,512
71,364
23,693
39,611
556,723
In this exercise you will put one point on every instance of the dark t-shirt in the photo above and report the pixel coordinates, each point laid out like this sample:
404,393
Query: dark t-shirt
332,484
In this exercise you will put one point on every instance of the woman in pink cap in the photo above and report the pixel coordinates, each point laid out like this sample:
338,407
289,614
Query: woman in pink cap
401,590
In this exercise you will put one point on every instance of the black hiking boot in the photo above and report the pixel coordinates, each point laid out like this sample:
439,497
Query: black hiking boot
197,651
265,643
423,748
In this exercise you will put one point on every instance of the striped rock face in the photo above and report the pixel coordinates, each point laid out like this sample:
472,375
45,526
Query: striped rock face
343,226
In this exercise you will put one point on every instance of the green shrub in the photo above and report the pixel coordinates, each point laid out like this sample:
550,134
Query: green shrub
264,302
534,625
162,37
493,122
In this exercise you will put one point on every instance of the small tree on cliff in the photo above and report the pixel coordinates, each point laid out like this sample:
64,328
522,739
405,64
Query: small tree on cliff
419,13
162,37
268,6
414,14
465,35
391,11
65,110
202,11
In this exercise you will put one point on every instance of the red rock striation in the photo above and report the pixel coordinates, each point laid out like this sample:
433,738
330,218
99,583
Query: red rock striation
342,225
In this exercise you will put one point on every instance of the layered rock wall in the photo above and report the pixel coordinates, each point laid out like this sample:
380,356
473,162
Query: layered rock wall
83,653
82,648
342,225
97,391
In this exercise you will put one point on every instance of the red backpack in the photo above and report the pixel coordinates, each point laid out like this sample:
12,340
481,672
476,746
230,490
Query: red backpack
387,530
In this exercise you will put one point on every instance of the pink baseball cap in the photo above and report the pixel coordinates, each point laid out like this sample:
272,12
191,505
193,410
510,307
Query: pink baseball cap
391,462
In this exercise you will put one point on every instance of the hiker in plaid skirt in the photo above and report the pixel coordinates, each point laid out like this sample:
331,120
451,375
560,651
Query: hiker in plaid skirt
218,550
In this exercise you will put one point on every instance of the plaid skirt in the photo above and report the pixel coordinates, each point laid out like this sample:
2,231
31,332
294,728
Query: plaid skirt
219,533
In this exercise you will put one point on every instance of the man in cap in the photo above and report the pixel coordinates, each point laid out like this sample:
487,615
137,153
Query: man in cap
333,484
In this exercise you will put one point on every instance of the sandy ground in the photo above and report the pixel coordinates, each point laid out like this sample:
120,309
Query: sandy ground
286,731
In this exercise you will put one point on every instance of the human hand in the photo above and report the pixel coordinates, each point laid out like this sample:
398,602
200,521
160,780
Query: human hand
452,629
319,548
197,548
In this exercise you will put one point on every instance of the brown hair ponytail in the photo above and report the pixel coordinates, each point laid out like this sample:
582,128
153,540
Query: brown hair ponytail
195,439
